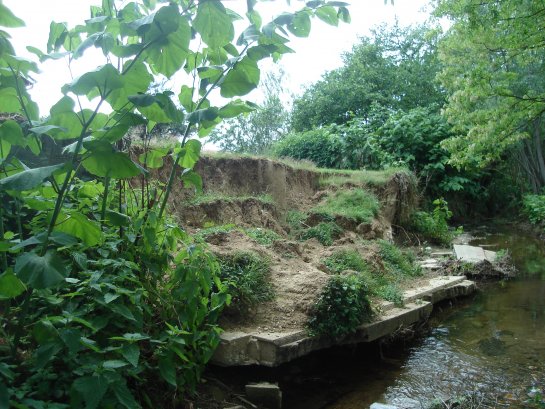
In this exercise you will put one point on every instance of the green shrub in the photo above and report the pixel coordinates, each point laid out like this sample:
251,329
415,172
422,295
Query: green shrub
263,236
320,146
391,292
533,207
356,204
434,226
246,275
342,307
295,219
343,260
203,234
324,232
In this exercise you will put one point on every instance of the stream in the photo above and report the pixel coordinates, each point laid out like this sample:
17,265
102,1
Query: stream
489,347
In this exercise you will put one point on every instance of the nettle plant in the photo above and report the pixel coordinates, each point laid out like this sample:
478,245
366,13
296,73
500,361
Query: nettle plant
104,300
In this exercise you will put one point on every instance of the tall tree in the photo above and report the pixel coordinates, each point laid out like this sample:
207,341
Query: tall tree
494,70
394,67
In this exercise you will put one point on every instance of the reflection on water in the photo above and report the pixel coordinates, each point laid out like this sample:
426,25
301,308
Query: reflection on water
492,348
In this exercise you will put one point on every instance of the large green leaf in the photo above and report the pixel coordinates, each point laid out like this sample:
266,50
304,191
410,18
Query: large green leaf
8,19
242,79
135,80
78,225
328,14
201,115
113,164
10,131
214,24
9,101
57,35
190,153
104,80
41,271
62,116
163,110
10,285
92,388
168,370
300,25
235,108
153,158
28,179
168,56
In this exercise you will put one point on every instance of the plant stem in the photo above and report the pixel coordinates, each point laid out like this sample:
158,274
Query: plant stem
4,256
104,200
62,194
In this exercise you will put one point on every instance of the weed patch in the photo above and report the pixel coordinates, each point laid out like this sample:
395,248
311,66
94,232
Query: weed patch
356,204
263,236
359,177
213,197
342,306
325,232
246,275
401,264
343,260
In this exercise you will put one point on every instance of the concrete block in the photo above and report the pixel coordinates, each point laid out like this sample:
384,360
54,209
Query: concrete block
382,406
264,393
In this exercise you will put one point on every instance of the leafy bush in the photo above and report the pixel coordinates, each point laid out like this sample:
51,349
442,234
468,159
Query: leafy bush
263,236
324,232
105,301
343,260
356,204
320,146
434,226
533,207
342,307
246,275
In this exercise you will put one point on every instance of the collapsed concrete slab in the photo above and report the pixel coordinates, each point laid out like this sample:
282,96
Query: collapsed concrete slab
473,254
275,348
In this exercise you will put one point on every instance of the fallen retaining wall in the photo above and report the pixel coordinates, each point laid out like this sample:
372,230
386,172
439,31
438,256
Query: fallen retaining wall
275,348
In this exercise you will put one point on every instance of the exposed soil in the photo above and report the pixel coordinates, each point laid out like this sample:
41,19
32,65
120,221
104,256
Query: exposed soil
298,274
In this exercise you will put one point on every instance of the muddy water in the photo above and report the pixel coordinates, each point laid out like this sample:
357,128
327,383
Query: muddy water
491,347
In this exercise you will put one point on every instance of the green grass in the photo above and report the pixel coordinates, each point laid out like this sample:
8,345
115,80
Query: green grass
213,197
325,232
356,204
334,177
246,275
263,236
399,266
343,260
296,164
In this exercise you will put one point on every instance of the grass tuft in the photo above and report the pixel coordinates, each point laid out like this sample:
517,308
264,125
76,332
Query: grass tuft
246,275
356,204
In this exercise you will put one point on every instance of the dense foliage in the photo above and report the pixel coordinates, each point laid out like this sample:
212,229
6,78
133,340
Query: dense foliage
105,301
393,68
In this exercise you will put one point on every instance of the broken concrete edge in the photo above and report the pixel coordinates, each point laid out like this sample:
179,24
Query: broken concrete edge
275,348
473,254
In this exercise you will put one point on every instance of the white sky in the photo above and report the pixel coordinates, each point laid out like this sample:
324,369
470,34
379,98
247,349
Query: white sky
315,55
